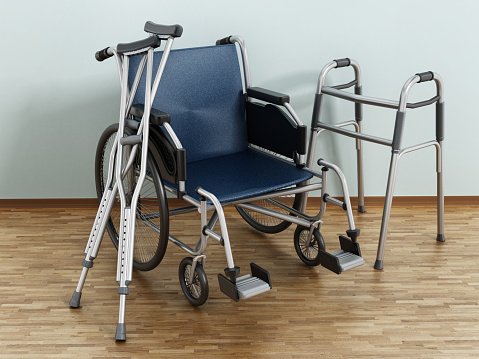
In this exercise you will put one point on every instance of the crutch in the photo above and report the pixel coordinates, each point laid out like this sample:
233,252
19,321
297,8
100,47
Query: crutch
126,147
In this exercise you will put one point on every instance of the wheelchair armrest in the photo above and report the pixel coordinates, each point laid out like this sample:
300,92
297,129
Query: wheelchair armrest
271,128
157,117
262,94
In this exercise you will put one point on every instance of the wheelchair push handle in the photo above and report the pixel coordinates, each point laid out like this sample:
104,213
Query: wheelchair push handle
104,54
224,41
163,30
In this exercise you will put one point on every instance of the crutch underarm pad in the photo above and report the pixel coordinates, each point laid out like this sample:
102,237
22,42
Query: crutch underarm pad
262,94
144,44
166,30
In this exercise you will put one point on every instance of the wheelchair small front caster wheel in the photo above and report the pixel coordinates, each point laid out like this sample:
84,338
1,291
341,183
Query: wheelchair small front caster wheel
308,253
194,285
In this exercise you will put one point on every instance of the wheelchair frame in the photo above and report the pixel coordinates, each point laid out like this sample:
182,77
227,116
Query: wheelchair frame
125,150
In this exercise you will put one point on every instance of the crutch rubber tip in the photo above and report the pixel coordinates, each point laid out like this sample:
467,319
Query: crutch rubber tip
120,335
378,264
361,209
75,300
441,238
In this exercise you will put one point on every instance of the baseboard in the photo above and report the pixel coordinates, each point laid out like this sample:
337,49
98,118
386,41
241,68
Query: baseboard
418,200
93,202
49,203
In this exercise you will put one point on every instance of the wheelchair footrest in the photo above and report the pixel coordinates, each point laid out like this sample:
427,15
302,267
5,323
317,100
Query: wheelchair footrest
348,257
246,286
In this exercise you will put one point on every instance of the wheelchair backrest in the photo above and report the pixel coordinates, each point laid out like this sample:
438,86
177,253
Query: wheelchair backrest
202,89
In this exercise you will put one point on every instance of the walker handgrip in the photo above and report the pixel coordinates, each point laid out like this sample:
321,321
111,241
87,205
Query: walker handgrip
224,41
426,76
165,30
342,62
103,54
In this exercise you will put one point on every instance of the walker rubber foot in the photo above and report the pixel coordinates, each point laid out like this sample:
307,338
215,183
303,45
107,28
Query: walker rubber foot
378,264
441,238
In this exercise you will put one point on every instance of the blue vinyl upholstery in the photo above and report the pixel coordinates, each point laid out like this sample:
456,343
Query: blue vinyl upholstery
202,90
242,175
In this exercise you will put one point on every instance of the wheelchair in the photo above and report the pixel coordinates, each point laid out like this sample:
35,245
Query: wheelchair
193,127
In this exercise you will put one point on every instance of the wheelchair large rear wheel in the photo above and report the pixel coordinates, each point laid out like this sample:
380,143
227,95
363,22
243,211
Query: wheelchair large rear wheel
152,217
268,224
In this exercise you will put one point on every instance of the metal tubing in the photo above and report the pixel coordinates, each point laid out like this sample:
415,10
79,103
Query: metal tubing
331,65
285,192
322,75
224,230
359,168
144,158
316,132
269,212
405,92
313,136
172,135
440,194
374,101
419,147
121,312
183,210
244,56
323,205
103,221
213,234
161,68
204,222
344,186
183,245
369,138
293,114
111,164
335,201
120,133
135,84
81,281
387,210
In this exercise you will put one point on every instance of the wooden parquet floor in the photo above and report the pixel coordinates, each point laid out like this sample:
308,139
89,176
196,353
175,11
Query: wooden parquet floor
425,304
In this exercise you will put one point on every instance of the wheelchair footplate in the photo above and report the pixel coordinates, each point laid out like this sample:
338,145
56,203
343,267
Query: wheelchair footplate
246,286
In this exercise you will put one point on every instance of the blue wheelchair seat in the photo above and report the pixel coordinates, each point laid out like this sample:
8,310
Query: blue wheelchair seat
242,175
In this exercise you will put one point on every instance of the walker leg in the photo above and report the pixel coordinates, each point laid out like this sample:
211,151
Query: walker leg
440,195
359,157
387,211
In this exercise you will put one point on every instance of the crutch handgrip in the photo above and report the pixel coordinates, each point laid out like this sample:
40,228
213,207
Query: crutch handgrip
224,41
103,54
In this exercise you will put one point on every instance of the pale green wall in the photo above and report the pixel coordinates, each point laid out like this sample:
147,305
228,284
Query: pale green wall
55,98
